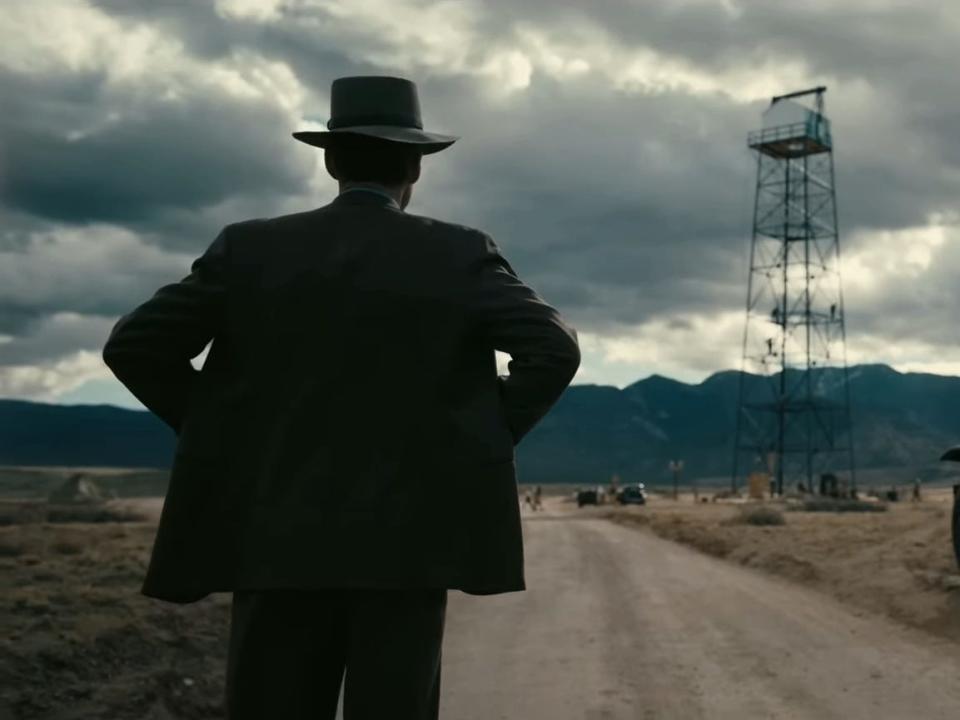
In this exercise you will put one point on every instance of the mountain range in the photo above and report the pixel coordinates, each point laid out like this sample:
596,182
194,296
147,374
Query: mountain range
901,420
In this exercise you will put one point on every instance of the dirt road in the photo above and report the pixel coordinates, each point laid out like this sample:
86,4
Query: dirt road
620,624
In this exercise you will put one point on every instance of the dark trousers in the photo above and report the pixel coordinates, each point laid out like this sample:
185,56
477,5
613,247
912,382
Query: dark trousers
289,650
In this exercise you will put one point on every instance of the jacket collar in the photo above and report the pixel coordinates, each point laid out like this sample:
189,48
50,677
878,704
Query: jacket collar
365,196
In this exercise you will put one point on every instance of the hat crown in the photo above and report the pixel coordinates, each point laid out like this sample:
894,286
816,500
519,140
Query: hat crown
374,100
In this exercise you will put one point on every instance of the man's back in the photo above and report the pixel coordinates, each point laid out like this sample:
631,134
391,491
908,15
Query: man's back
349,394
351,348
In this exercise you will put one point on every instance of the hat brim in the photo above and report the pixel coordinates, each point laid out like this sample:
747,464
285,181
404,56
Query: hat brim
427,142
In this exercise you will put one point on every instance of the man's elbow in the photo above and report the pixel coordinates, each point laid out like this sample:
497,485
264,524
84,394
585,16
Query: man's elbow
561,360
113,353
574,360
569,355
108,354
114,361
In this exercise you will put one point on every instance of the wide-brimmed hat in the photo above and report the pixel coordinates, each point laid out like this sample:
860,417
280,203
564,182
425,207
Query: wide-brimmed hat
381,107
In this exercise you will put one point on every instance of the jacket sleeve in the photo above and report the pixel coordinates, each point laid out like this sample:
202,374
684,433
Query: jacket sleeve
150,348
515,320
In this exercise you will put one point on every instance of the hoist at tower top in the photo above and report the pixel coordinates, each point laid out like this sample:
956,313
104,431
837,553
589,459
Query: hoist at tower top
791,129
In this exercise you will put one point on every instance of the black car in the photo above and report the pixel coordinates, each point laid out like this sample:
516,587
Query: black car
587,497
632,495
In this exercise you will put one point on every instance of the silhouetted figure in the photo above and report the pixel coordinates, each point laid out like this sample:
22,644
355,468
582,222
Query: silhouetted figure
346,454
537,493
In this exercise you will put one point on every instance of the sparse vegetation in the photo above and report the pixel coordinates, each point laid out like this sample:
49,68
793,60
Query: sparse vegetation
27,512
896,558
762,515
834,505
20,512
10,548
91,514
38,483
73,615
66,547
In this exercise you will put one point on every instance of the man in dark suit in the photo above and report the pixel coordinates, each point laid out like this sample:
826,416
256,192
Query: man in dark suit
349,394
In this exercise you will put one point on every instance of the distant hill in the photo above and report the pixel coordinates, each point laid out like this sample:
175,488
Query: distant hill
82,435
901,420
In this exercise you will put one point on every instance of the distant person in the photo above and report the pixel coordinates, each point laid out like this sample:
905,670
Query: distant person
537,492
916,490
350,392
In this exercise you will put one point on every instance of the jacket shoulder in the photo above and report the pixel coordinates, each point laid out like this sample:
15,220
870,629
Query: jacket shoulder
444,226
269,224
469,241
469,238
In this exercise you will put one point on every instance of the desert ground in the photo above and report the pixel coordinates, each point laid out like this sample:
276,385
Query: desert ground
619,623
673,610
898,563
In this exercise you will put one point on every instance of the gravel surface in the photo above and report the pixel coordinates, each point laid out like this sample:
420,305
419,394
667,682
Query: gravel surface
618,623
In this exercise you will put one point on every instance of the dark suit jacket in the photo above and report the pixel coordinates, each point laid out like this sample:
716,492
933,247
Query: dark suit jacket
348,428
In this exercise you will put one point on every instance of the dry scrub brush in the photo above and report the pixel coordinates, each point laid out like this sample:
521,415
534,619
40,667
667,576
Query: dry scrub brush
834,505
762,515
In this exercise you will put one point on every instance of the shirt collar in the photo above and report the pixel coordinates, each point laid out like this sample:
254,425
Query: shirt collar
375,191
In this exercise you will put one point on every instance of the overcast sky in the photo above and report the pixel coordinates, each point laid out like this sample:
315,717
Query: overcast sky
603,148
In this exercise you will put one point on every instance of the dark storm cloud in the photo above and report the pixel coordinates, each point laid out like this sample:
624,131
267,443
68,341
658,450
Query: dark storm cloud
891,148
633,200
892,47
86,153
54,337
295,39
897,145
849,39
91,270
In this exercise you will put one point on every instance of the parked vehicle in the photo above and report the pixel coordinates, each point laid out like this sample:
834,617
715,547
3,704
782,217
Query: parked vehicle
632,495
587,497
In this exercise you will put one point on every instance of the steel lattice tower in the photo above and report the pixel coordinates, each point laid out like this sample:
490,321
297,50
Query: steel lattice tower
793,417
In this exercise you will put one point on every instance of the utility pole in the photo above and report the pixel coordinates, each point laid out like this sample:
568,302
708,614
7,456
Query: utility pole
676,466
